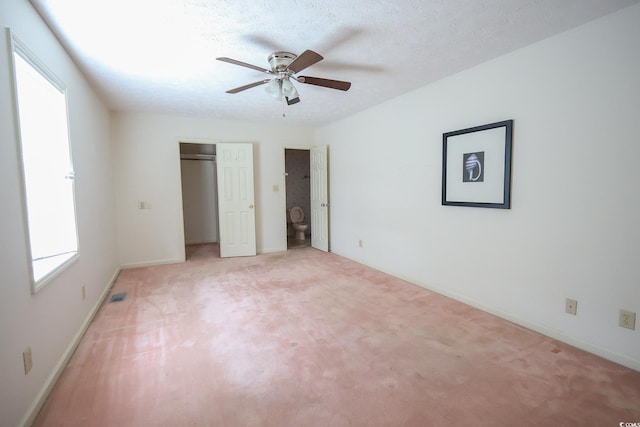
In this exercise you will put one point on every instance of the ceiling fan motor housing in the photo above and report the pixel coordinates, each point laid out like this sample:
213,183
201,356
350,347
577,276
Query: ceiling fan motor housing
279,61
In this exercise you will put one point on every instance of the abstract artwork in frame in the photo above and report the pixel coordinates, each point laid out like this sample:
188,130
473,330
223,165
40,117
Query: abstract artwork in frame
476,166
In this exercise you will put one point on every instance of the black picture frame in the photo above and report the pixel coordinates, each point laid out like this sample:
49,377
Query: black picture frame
476,166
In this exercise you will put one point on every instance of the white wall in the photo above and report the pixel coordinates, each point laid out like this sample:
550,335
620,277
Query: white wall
50,320
573,227
147,168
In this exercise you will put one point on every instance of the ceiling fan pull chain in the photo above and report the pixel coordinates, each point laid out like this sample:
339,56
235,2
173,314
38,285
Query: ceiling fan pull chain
283,102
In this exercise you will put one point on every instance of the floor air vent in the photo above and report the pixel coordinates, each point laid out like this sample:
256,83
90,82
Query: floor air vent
118,297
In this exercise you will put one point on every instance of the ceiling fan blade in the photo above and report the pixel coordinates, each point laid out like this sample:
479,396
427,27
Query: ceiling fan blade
304,60
249,86
244,64
332,84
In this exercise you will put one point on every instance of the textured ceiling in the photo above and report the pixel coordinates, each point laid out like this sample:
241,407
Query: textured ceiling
159,55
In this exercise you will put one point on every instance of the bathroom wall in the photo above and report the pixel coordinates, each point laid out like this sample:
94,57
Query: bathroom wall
298,182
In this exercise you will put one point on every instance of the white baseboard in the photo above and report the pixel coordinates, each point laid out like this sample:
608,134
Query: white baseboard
541,329
42,396
151,263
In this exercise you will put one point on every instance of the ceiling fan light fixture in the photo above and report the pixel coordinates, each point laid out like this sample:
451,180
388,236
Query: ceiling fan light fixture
288,89
274,88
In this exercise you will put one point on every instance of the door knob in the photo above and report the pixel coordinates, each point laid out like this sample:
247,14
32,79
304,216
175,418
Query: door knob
251,206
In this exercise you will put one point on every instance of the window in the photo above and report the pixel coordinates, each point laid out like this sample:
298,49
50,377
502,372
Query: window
48,186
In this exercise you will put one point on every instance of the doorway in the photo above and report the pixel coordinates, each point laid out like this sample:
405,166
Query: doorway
199,196
298,193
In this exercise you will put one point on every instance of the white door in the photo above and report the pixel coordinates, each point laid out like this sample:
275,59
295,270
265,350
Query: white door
236,210
319,199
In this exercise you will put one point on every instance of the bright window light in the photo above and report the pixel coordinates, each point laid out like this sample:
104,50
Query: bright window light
47,167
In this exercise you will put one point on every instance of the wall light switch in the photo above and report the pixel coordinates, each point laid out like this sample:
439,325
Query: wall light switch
276,188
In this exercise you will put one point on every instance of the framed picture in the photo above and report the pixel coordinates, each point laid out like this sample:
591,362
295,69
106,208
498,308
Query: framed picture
476,166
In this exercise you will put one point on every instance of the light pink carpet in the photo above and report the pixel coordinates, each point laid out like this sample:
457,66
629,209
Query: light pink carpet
305,338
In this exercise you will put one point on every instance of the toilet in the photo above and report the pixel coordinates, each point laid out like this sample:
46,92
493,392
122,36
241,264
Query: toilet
295,216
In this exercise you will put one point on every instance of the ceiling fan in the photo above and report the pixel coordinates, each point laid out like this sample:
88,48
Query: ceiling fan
284,66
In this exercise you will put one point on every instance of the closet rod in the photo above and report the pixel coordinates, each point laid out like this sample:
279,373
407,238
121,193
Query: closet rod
205,157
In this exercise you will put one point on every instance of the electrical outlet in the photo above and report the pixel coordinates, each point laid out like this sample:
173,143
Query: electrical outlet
84,292
571,306
360,243
627,319
27,359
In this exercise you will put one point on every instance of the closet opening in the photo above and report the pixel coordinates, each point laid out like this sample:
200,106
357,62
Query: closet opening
199,199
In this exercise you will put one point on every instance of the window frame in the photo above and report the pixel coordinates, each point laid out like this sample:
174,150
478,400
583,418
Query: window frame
18,47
